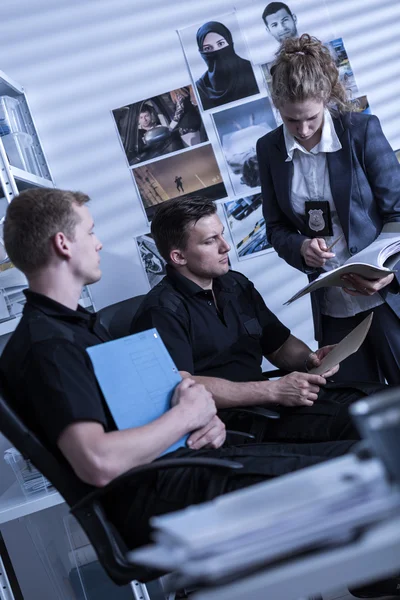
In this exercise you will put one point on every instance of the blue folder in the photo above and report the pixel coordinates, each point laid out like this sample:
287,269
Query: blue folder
137,377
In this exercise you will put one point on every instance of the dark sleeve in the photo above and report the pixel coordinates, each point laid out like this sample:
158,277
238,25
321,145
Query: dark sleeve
274,333
174,332
61,387
383,172
281,233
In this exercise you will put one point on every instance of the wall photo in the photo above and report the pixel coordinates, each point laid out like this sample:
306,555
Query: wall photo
346,75
152,261
267,24
247,226
160,125
238,129
362,104
217,57
194,172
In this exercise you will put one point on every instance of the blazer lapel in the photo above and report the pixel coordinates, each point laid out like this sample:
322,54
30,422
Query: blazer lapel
340,170
283,184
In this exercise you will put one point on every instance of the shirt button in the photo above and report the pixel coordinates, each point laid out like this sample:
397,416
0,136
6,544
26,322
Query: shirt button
209,303
353,250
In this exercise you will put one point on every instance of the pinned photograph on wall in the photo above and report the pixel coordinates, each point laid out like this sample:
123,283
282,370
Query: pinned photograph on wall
267,24
152,261
362,105
217,57
247,226
238,129
160,125
194,172
346,75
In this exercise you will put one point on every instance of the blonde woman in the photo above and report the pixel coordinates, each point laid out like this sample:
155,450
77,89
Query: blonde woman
330,173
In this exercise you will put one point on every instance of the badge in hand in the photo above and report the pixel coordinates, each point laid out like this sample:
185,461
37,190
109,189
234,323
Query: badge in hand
318,218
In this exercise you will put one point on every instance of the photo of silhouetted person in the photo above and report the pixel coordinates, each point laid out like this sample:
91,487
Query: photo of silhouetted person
179,186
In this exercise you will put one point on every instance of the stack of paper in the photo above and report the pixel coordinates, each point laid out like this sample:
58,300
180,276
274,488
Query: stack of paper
245,530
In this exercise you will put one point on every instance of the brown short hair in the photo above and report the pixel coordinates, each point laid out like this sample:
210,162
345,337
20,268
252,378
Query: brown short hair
304,69
33,218
171,221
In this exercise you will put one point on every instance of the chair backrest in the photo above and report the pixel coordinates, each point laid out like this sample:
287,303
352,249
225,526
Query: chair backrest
25,441
117,318
108,544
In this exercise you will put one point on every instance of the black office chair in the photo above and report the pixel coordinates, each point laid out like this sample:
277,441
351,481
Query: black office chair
86,502
117,318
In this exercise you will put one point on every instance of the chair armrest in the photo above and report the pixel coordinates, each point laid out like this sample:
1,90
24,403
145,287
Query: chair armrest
158,465
267,413
231,434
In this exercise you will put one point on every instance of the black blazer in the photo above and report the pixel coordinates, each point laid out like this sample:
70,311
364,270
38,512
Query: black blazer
365,181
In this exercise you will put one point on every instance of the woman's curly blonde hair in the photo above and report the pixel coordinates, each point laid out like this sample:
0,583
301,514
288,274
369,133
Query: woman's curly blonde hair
304,69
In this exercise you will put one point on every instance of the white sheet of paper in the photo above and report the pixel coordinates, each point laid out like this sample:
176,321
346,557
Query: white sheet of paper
347,346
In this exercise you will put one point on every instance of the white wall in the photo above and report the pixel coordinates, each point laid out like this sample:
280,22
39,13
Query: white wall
78,59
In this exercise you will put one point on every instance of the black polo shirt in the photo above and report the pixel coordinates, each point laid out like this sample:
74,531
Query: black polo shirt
227,340
48,372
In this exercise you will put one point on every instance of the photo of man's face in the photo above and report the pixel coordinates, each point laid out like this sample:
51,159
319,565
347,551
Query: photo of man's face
145,120
267,24
280,22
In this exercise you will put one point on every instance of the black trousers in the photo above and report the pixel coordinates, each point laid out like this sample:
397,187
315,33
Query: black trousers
175,489
379,356
326,421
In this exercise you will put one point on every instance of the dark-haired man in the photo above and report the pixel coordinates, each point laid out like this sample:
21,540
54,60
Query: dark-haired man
280,22
49,235
217,328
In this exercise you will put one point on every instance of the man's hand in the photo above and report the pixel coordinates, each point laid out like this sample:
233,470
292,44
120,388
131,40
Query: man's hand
359,286
195,402
315,252
211,436
315,358
296,389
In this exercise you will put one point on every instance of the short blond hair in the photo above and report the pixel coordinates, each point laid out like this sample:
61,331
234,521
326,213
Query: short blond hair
33,218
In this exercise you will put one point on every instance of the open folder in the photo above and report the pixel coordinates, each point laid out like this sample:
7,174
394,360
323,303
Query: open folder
375,261
347,346
137,377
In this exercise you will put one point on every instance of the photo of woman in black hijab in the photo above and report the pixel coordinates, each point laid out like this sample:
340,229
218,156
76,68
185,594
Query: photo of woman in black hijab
228,77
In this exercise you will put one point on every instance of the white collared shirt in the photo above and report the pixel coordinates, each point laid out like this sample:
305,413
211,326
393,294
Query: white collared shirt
311,182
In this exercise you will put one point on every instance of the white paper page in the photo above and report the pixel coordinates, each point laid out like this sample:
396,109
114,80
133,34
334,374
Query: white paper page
347,346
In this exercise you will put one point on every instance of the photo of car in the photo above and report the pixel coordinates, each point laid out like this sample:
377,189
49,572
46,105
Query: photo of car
245,206
149,129
152,261
247,226
256,242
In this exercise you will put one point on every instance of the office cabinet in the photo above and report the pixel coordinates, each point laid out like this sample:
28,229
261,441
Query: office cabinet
23,165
